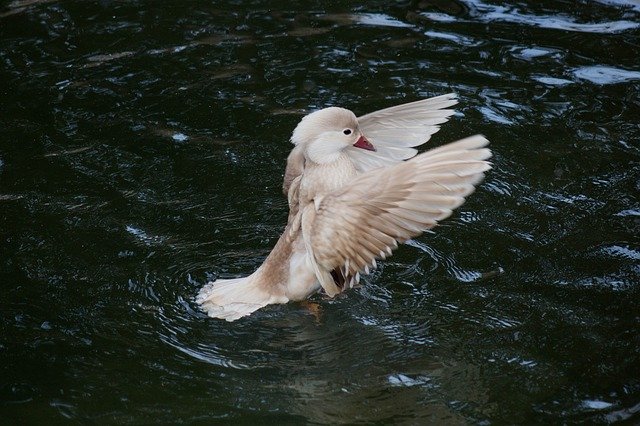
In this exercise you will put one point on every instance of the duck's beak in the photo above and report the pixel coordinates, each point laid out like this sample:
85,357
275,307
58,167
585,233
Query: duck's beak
363,143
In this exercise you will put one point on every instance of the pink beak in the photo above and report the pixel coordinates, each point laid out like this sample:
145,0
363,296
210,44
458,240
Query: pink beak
363,143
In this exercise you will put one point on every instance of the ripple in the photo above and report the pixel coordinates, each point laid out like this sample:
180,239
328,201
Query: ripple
551,81
145,237
531,53
407,381
439,17
499,186
380,20
464,275
493,114
610,282
179,137
456,38
493,13
484,12
622,414
599,74
629,213
470,216
204,353
426,249
594,404
625,4
621,251
67,152
368,19
11,197
100,59
497,109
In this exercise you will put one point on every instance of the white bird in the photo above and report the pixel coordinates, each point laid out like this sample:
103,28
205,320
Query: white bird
352,201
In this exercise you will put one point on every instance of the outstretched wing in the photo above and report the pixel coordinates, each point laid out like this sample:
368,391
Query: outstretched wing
395,131
347,230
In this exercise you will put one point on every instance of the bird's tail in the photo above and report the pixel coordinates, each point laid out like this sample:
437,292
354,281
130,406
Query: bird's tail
234,298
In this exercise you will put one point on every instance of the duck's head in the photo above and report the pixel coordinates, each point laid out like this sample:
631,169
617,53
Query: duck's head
324,134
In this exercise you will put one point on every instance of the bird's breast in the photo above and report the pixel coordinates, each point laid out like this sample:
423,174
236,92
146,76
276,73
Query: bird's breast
322,179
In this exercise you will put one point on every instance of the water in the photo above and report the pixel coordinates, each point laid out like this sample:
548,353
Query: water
142,147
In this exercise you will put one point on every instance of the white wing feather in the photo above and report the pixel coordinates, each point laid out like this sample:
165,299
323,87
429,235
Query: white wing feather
395,131
350,228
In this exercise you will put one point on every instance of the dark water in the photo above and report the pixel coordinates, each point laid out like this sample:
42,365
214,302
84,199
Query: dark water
142,147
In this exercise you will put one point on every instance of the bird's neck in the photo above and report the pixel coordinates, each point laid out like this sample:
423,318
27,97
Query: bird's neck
341,166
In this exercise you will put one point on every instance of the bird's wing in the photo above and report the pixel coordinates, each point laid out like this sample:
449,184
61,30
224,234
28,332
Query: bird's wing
294,205
346,231
295,166
395,131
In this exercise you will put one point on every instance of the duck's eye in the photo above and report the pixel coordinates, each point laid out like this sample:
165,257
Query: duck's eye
347,131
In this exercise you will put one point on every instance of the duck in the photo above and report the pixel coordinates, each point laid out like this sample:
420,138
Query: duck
356,189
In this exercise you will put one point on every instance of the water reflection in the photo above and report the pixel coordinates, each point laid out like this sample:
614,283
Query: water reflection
605,75
485,12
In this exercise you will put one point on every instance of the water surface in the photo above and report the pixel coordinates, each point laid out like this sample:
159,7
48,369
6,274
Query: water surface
142,148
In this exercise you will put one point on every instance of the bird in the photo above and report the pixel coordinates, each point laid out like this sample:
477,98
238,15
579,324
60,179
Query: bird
356,189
